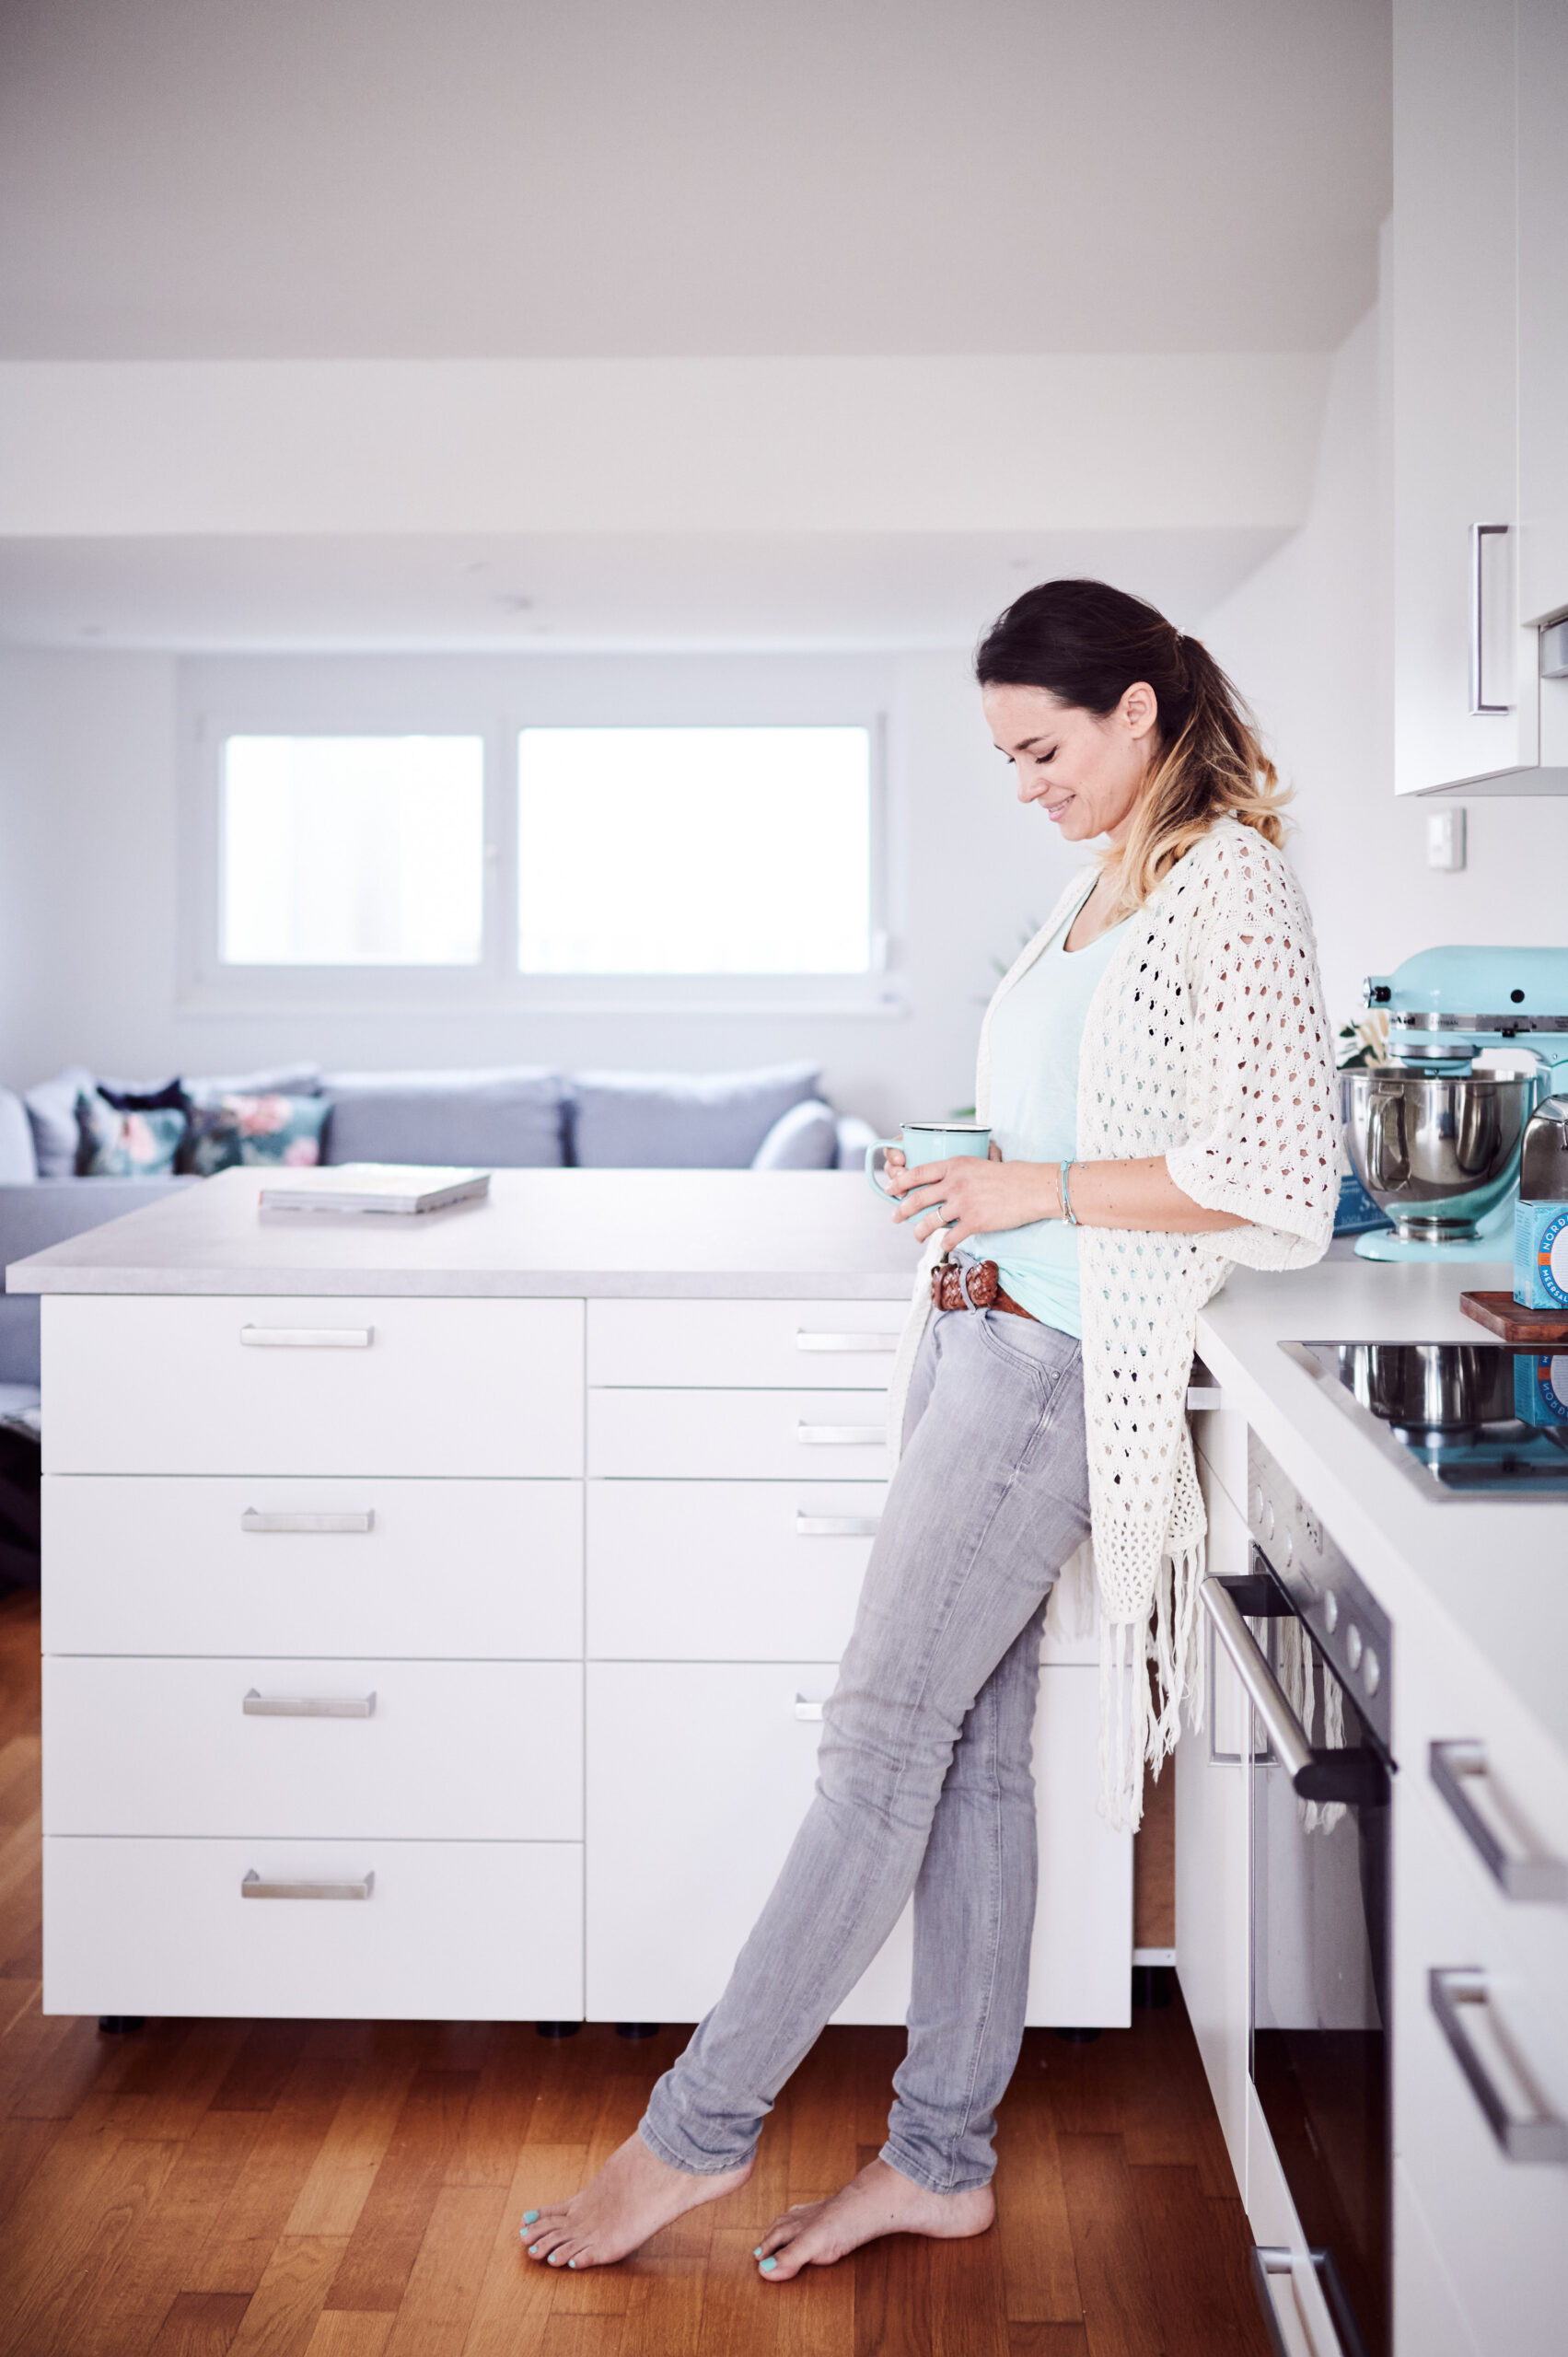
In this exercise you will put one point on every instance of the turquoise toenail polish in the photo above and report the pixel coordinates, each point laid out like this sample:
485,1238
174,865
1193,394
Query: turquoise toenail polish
769,2265
530,2217
555,2259
570,2262
758,2252
534,2250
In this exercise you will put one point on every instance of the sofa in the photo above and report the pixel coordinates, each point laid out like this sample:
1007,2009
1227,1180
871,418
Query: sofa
509,1117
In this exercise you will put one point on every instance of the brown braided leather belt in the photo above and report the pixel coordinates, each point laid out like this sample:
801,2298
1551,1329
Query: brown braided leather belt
977,1287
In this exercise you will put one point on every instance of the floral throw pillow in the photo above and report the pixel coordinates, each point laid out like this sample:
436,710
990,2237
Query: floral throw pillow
116,1144
242,1129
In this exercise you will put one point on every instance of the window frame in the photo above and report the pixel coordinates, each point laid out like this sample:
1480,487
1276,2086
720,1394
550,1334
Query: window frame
494,983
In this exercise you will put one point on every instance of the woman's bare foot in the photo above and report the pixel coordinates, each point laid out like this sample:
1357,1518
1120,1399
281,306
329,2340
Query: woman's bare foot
877,2201
634,2195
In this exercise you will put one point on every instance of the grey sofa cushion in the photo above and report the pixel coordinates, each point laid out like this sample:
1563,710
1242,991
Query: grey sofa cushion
649,1120
805,1138
279,1080
52,1111
18,1157
510,1118
31,1219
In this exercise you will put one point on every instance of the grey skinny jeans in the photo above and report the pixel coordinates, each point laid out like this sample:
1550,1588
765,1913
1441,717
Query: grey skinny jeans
926,1779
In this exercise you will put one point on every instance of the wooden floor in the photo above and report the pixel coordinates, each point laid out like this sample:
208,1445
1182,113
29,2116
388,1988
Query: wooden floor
353,2190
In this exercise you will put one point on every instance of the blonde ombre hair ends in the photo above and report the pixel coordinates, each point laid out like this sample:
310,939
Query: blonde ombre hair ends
1088,643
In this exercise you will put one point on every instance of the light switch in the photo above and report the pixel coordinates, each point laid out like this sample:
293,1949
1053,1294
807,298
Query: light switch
1445,838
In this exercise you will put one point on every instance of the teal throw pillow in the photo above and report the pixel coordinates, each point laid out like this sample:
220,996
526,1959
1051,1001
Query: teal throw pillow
120,1144
237,1131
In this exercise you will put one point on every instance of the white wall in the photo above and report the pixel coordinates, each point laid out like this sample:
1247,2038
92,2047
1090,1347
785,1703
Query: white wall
89,792
1307,639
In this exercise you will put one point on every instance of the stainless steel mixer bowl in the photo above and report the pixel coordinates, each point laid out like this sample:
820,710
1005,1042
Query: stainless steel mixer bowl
1436,1154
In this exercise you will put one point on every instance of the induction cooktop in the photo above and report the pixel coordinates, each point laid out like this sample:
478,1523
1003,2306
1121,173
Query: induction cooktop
1464,1419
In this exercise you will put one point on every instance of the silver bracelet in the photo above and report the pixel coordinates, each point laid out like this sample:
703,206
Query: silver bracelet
1068,1213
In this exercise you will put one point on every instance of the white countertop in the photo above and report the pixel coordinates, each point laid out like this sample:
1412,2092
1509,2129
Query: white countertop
793,1235
1496,1567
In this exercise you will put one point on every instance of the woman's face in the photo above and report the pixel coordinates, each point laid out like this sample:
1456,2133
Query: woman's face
1086,774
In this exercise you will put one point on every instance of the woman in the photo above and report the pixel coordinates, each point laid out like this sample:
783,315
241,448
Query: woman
1157,1073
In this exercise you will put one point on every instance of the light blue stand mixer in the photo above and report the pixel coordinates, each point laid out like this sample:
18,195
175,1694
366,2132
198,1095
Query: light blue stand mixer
1434,1142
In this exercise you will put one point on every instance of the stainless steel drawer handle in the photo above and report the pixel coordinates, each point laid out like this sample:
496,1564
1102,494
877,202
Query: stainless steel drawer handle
308,1338
806,1708
309,1706
836,1525
265,1525
840,1436
252,1885
1460,1773
1271,2264
1537,2136
879,1342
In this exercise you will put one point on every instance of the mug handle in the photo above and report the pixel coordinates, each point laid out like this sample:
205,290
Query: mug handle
880,1146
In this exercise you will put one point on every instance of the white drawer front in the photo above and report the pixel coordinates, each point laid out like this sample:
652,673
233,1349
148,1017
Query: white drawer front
162,1564
828,1345
727,1571
449,1751
224,1385
699,1776
739,1436
461,1931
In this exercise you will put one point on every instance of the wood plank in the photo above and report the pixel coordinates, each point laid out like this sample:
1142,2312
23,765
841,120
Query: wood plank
496,2121
343,2170
263,2066
63,2287
235,2256
282,2315
1033,2230
581,2336
664,2309
1047,2340
391,2227
1195,2300
740,2315
343,2333
174,2071
1119,2314
152,2269
443,2291
1154,1862
517,2293
200,2323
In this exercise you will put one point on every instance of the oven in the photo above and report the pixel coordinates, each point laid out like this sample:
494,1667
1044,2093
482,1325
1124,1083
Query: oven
1313,1651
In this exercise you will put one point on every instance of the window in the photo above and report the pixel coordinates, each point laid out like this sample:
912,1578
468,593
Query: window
351,850
694,851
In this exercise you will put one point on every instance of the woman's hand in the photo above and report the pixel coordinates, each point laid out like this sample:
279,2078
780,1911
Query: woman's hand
976,1197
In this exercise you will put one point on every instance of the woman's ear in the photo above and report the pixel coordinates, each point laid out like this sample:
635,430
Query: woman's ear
1140,709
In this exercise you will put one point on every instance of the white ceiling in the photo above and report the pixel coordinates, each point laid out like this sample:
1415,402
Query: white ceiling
580,590
202,178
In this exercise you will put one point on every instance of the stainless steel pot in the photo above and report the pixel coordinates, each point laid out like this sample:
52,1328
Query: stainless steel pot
1436,1154
1431,1387
1544,1165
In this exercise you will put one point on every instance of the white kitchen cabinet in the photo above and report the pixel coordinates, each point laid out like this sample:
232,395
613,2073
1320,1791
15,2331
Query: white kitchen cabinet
699,1775
739,1435
1480,379
152,1564
1213,1861
780,1345
411,1750
1491,2215
445,1930
330,1386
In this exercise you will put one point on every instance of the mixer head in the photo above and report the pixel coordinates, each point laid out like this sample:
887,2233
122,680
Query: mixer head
1446,1006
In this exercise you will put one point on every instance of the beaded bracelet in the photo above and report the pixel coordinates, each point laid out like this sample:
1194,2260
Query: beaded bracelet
1068,1213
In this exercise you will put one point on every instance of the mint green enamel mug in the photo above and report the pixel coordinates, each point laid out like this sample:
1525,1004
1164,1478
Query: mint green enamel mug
928,1141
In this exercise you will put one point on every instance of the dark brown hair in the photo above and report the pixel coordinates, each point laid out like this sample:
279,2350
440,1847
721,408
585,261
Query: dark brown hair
1087,643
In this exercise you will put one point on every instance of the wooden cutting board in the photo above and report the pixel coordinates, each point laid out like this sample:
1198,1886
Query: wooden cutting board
1501,1314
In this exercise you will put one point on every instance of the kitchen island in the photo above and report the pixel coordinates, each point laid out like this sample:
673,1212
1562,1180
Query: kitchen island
480,1576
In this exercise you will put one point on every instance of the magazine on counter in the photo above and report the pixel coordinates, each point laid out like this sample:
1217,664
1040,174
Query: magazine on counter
398,1187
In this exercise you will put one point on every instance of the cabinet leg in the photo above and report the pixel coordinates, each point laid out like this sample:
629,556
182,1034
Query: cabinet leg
120,2024
1078,2037
1151,1986
557,2029
637,2029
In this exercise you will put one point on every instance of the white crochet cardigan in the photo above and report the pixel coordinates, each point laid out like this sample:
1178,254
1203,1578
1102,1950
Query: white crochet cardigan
1206,1041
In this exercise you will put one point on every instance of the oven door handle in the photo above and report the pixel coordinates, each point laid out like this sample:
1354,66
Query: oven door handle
1352,1776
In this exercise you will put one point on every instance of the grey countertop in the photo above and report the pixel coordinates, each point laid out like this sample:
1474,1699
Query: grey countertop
792,1234
1496,1567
